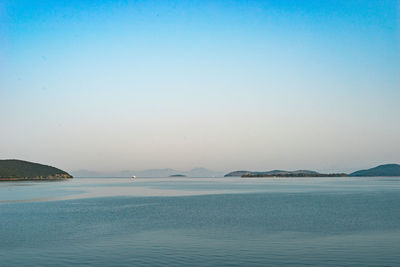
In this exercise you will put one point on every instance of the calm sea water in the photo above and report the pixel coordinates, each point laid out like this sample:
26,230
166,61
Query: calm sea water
201,222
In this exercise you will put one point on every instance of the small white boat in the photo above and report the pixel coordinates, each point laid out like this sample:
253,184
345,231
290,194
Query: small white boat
133,177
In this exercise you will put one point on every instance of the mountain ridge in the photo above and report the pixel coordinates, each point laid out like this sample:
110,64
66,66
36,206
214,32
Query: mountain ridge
149,173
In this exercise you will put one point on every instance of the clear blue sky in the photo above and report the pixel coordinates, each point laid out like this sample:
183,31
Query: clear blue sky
110,85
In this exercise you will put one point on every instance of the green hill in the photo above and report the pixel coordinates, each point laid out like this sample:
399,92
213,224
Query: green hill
381,170
12,169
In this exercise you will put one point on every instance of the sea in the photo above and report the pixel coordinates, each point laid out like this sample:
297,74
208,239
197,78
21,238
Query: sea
340,221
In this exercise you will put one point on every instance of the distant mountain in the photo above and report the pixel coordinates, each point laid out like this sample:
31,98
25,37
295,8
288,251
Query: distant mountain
155,173
281,173
381,170
151,173
13,169
125,173
203,172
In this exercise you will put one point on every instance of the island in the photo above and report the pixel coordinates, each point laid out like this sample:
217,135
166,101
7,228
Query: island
381,170
177,175
281,173
237,173
20,170
298,173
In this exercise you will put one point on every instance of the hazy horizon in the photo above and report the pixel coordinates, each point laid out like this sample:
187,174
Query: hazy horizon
234,85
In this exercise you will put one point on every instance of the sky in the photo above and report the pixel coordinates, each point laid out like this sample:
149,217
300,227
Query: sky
227,85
